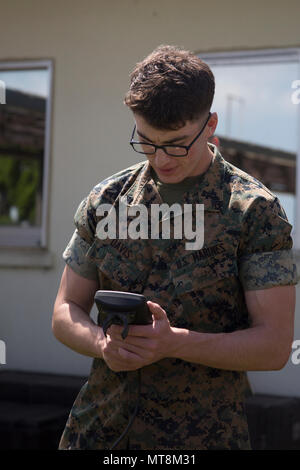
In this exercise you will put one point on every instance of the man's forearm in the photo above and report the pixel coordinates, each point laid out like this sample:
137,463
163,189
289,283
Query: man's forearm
74,328
250,349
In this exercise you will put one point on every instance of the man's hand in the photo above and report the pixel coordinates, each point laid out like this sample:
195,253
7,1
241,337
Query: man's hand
144,344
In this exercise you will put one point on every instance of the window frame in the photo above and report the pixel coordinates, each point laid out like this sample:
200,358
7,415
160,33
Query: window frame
264,56
33,237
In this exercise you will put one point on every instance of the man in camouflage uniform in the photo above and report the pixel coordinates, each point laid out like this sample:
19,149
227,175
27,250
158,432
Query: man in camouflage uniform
218,311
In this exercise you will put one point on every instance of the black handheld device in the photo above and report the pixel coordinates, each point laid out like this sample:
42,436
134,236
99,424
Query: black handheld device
121,308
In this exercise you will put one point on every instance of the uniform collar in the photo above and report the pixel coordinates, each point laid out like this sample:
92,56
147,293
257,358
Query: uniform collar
209,190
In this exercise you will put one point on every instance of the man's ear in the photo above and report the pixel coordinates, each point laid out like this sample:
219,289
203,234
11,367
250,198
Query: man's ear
212,124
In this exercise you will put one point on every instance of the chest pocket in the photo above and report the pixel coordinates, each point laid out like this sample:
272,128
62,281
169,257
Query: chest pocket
204,274
197,276
206,292
116,273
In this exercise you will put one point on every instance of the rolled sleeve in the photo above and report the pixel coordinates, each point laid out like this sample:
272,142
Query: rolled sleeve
266,257
76,252
75,257
268,269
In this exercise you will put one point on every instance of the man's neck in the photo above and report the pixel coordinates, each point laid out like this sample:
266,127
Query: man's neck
205,161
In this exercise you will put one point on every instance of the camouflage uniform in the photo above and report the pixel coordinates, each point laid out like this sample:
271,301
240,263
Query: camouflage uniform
247,246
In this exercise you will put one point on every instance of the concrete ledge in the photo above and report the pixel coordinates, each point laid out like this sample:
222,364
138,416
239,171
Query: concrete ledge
32,258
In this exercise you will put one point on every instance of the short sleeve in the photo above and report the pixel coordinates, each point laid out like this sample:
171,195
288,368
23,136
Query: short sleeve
265,251
75,254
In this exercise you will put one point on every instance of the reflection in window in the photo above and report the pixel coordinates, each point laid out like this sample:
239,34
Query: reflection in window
275,168
257,127
22,155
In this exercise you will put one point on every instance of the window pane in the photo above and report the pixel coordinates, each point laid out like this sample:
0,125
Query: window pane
258,123
22,141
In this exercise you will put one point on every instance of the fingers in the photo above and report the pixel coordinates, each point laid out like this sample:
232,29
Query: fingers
121,360
122,357
141,342
134,330
130,356
143,347
158,312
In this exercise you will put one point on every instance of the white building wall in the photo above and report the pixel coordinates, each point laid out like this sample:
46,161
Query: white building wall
94,46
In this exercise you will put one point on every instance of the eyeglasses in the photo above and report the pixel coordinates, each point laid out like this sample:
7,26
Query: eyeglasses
172,150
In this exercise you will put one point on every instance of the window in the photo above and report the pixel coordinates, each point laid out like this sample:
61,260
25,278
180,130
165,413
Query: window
25,109
259,120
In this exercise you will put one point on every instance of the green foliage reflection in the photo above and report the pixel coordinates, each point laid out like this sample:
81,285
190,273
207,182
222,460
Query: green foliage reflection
19,184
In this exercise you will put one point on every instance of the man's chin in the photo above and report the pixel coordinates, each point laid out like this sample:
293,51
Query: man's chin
172,177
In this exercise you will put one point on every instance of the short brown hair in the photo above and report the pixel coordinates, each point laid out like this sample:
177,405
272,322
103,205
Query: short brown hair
170,87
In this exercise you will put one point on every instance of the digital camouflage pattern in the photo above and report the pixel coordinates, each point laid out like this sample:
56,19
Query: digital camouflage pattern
247,246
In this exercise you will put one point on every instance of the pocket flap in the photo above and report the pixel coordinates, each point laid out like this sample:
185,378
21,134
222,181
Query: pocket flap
202,273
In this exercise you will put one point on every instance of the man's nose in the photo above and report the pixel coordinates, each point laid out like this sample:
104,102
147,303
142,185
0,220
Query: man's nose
161,158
